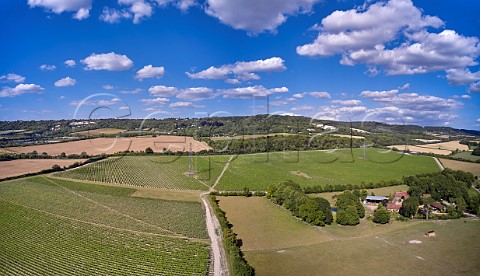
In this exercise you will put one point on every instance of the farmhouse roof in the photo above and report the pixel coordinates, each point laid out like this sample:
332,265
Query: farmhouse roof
375,198
393,206
437,205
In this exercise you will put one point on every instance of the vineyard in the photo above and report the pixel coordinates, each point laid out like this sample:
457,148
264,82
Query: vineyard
169,172
309,168
52,227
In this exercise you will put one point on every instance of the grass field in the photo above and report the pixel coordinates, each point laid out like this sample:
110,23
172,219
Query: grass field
459,165
99,131
50,226
365,249
24,166
258,171
152,171
466,155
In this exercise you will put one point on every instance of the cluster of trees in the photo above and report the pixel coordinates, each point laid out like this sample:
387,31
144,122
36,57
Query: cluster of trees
232,245
449,185
35,155
339,187
316,211
349,208
476,151
245,192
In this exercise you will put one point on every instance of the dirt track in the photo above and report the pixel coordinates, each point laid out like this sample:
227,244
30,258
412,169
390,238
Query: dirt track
113,145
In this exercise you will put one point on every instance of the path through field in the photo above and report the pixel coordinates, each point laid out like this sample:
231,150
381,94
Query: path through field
438,163
221,174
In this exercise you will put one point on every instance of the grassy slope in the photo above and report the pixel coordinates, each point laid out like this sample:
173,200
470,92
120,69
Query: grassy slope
257,171
384,191
460,165
361,250
466,155
151,171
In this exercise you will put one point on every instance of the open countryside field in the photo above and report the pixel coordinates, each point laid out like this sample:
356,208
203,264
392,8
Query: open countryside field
309,168
168,172
51,227
421,149
464,166
444,148
252,136
362,250
99,131
24,166
466,155
113,145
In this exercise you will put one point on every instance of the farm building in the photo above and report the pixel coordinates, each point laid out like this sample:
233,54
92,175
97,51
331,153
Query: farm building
374,199
397,201
436,206
394,207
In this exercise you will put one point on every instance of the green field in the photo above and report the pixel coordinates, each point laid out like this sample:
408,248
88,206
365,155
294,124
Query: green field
292,247
309,168
152,171
49,226
466,155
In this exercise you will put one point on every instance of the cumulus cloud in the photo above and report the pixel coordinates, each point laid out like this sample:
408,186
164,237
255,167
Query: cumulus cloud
136,9
256,16
110,62
163,91
251,92
131,92
320,95
183,5
46,67
378,94
196,94
336,113
362,37
70,63
21,89
80,7
302,108
65,82
184,104
12,78
462,76
474,87
405,86
113,16
241,70
347,102
150,72
155,101
102,102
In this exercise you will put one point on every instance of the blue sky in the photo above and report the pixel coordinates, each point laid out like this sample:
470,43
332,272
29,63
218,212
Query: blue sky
397,61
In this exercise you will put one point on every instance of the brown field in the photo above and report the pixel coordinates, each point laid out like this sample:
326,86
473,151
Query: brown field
24,166
275,243
113,145
464,166
421,149
349,136
444,148
99,131
452,145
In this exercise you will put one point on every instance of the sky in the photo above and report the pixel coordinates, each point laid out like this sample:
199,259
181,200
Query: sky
397,61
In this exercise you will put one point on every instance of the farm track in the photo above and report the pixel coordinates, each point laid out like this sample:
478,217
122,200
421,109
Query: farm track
440,165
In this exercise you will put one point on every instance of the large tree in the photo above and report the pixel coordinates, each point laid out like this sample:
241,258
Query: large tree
409,207
348,216
381,215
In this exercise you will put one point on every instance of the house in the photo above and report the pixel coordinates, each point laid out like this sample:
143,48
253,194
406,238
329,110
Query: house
436,206
394,207
374,199
396,203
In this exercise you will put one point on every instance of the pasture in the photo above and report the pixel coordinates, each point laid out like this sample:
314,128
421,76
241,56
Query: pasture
361,250
99,131
24,166
309,168
460,165
384,191
169,172
51,226
466,155
113,145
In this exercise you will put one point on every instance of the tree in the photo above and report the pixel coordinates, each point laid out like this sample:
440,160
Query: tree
149,150
348,216
56,167
62,155
476,151
381,215
409,207
311,213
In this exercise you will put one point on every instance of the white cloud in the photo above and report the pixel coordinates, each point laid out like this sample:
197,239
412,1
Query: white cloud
256,16
21,89
96,103
196,94
65,82
362,37
150,72
70,63
12,78
138,8
302,108
347,102
474,87
462,76
405,86
155,101
131,92
241,70
46,67
184,104
80,7
163,91
112,16
378,94
336,114
298,96
183,5
319,95
251,92
110,62
108,87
